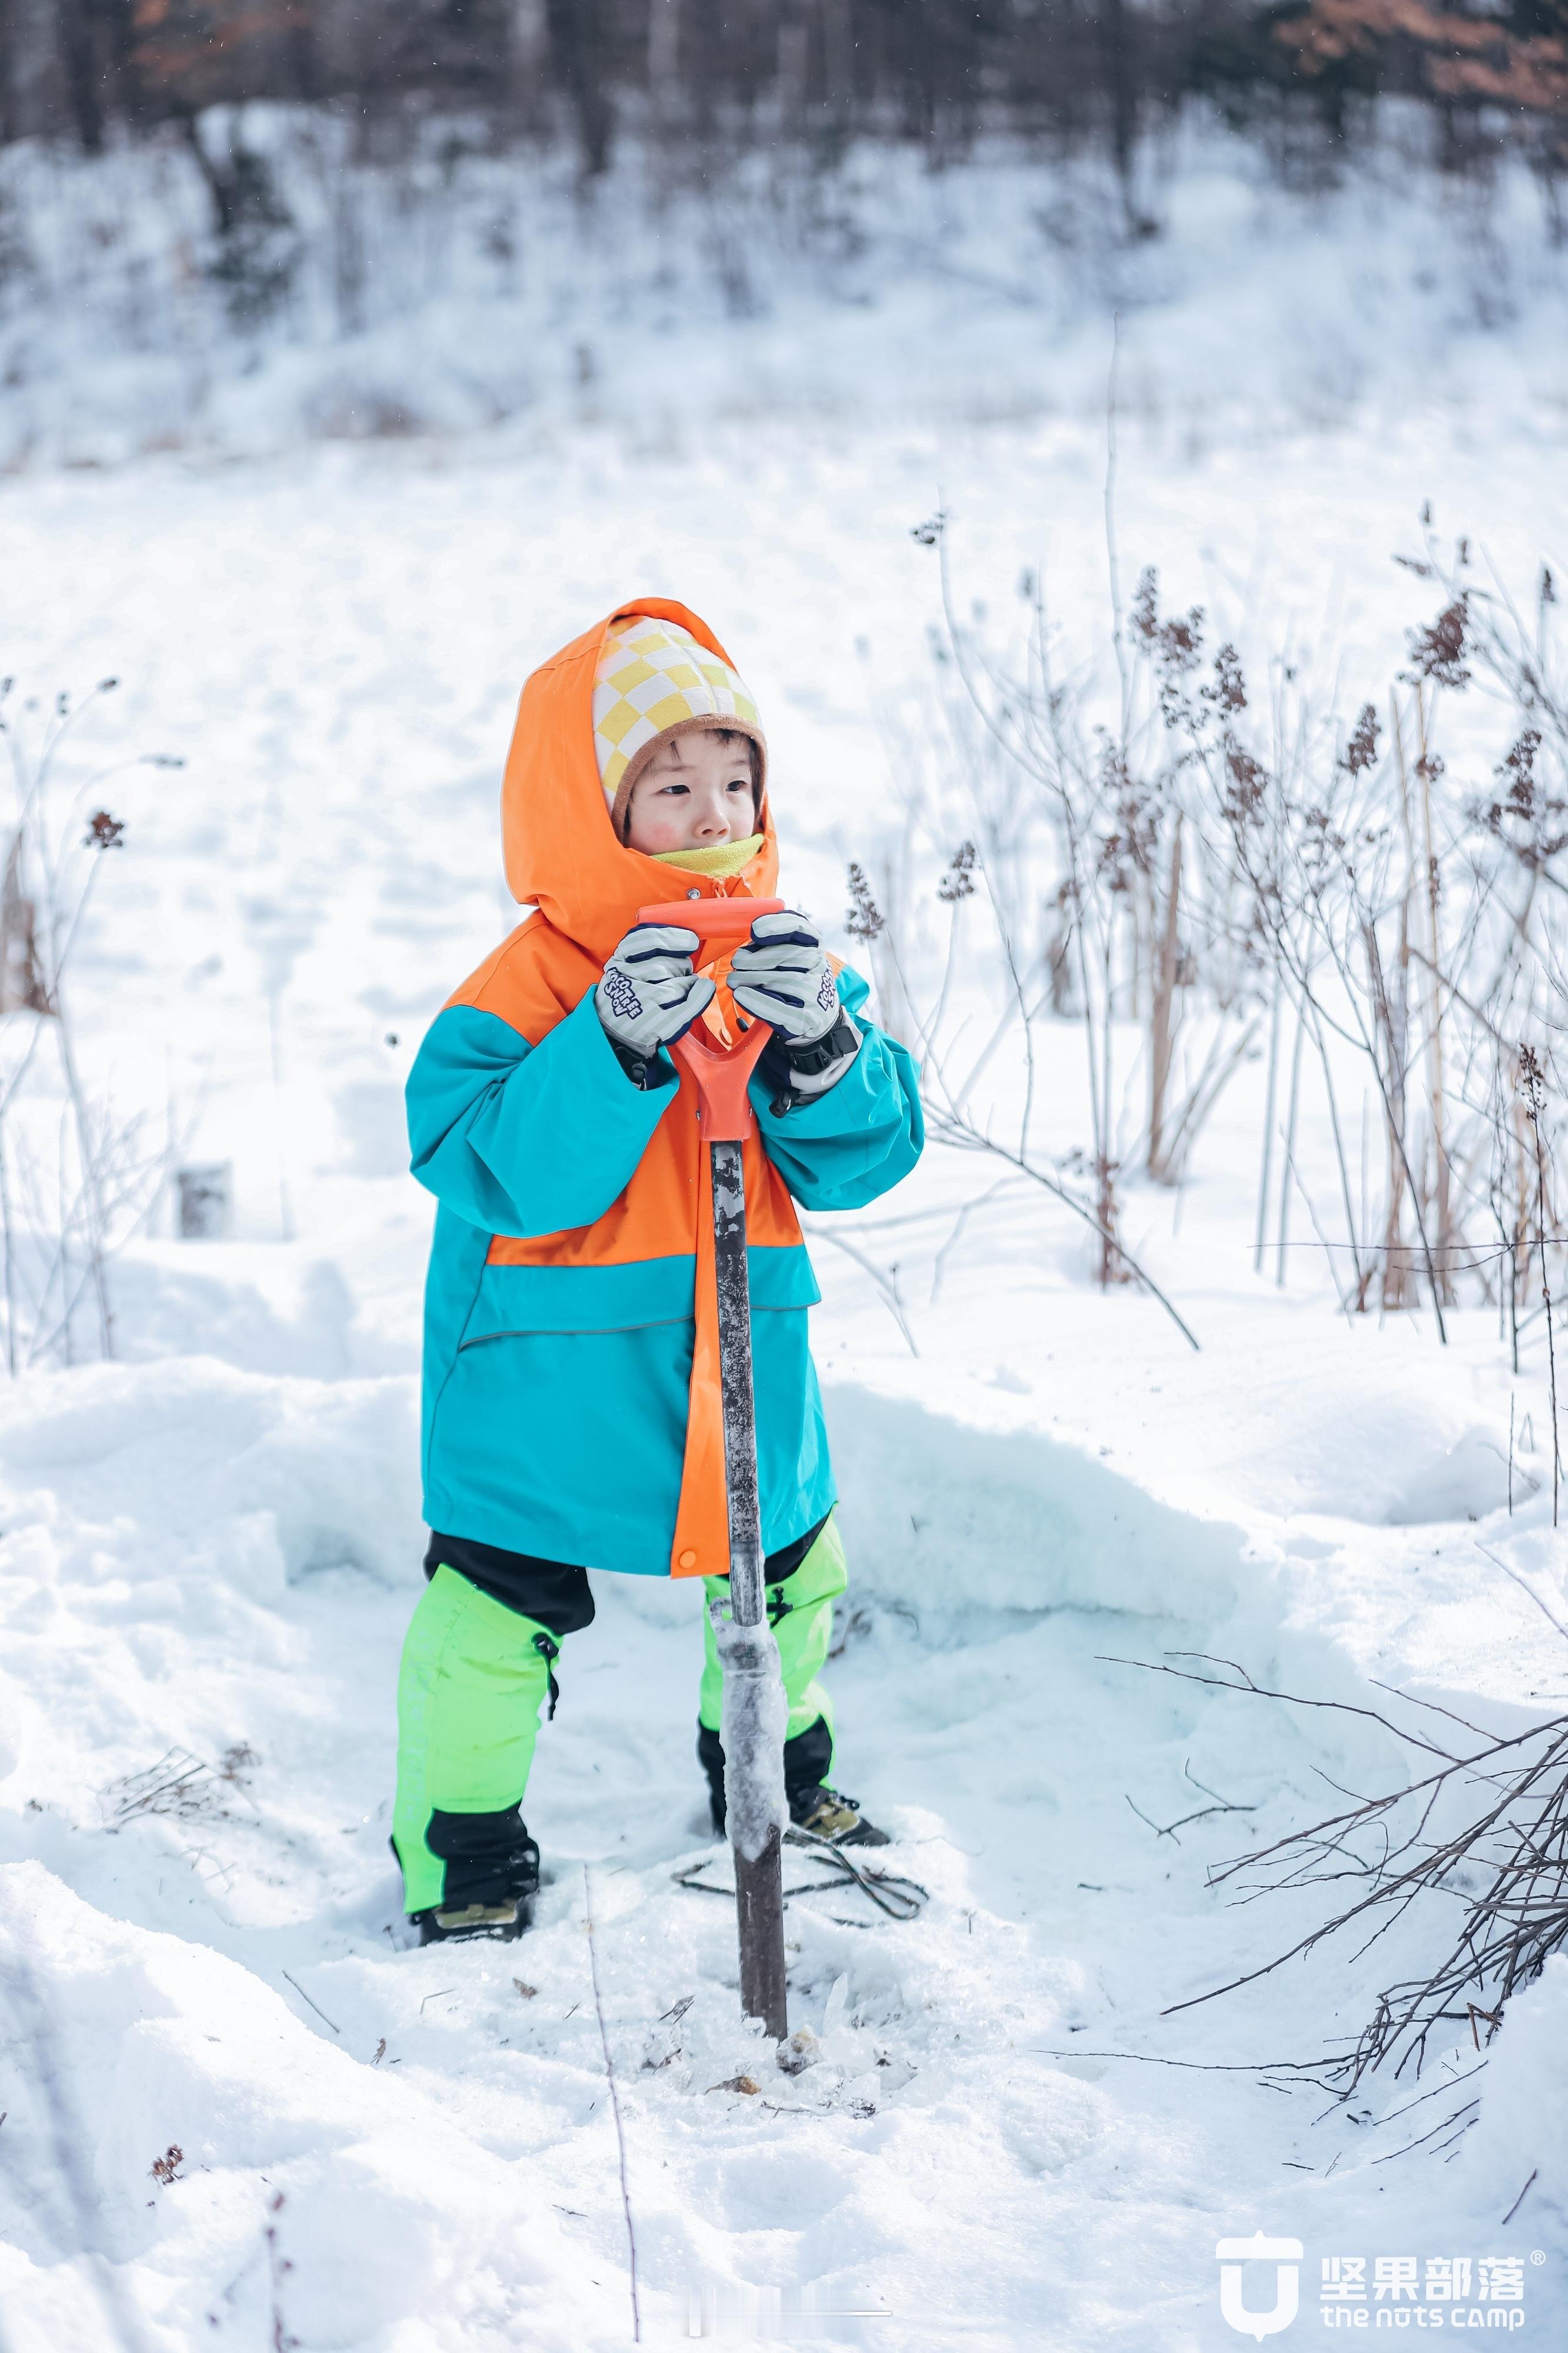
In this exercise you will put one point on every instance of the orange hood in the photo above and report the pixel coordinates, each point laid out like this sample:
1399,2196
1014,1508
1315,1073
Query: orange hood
562,854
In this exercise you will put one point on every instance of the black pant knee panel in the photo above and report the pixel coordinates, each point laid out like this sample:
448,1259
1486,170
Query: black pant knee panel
488,1857
552,1592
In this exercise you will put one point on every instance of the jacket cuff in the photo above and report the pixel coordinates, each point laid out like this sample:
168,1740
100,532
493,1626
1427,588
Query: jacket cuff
648,1071
799,1073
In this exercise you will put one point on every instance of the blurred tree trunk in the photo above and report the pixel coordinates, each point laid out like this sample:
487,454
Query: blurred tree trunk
10,71
118,22
529,62
220,181
304,62
792,64
1117,29
838,57
663,55
578,45
80,71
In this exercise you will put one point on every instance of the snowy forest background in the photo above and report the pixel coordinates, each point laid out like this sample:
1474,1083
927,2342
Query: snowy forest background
1124,450
240,223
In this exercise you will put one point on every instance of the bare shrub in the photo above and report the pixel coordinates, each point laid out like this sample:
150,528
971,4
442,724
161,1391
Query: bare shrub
78,1177
1466,1858
1153,845
179,1785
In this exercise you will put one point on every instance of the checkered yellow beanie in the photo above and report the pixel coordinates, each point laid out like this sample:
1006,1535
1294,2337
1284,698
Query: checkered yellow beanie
654,677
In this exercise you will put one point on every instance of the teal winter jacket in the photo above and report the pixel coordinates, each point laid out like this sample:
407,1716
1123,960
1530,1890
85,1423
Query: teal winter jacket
559,1311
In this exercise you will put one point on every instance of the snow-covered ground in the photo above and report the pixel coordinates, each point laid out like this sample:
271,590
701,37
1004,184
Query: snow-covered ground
211,1547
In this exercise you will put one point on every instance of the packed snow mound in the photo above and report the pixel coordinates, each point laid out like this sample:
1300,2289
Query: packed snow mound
1467,1479
293,1475
252,1307
1401,1457
1522,2129
945,1516
146,2051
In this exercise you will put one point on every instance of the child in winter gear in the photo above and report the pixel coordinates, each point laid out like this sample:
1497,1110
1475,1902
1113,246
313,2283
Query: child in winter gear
571,1412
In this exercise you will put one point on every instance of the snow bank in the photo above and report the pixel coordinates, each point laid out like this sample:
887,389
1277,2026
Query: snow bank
305,1475
946,1516
1522,2129
141,2048
175,1536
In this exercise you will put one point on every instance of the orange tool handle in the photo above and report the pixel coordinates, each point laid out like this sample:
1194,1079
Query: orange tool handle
711,919
724,1108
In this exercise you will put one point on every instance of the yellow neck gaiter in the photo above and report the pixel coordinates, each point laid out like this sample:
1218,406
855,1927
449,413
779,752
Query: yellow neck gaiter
726,858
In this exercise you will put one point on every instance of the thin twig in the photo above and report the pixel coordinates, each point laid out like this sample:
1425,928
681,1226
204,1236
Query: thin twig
1520,2198
316,2006
962,1131
1527,1591
1198,2067
884,1281
616,2106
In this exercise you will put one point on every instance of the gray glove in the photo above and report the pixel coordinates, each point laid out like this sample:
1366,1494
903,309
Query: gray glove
780,975
650,995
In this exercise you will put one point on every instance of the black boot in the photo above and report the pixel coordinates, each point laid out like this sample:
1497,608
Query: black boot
813,1805
491,1881
828,1815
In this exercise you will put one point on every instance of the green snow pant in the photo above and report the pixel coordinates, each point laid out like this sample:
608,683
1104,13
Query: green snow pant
474,1675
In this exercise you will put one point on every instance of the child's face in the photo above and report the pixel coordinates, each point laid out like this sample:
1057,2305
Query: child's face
696,793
